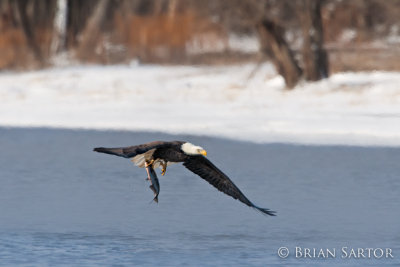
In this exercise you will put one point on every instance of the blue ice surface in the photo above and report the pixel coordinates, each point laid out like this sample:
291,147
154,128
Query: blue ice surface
61,204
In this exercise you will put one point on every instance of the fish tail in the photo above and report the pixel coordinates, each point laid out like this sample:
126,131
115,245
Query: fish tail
155,199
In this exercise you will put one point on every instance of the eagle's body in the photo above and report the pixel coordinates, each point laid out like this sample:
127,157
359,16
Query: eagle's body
161,154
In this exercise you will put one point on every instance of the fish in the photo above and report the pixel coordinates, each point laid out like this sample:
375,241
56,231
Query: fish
154,184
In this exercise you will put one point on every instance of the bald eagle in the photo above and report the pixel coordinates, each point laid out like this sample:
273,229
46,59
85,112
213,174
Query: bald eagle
161,154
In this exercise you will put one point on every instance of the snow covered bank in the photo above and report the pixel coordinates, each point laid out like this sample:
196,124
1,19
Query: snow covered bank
227,101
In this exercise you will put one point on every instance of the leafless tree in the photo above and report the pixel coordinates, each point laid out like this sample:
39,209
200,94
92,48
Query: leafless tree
273,43
272,37
58,42
90,33
27,27
315,59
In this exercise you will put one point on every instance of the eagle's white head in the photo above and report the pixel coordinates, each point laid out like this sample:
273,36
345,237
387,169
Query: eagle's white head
191,149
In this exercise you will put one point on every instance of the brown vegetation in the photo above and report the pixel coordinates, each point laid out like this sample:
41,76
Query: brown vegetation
161,30
157,37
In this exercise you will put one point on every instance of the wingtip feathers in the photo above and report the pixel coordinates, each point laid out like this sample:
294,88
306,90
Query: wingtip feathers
265,211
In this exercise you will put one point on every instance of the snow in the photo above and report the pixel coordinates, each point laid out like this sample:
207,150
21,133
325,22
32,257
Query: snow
245,44
218,43
226,101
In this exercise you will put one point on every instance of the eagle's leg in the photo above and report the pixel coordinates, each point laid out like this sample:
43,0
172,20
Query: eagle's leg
148,163
164,167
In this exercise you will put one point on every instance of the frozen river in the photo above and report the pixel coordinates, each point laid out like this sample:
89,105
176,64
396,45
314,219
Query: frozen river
61,204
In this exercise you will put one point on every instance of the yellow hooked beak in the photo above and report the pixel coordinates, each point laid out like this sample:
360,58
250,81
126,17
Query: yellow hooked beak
203,152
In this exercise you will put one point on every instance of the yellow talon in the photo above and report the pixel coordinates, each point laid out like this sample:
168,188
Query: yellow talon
164,168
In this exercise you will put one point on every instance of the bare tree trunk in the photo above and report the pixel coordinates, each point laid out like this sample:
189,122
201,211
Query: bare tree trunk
314,55
28,30
172,7
273,43
362,20
8,15
91,32
58,42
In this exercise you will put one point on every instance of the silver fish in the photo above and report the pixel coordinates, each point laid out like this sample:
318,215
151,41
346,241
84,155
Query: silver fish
154,184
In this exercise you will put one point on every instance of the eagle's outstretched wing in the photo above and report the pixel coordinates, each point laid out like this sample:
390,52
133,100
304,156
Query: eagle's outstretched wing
132,151
209,172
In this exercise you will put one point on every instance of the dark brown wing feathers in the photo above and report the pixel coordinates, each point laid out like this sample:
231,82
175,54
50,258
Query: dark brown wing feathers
131,151
209,172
